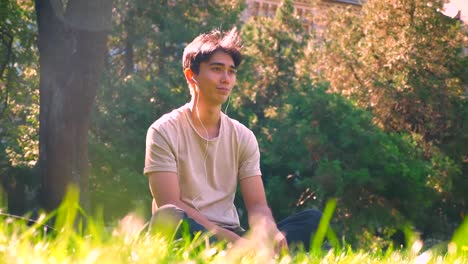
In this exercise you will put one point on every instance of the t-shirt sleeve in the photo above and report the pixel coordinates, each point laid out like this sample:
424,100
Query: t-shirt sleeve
250,157
159,154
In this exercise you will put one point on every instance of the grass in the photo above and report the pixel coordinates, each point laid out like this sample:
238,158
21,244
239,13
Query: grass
70,241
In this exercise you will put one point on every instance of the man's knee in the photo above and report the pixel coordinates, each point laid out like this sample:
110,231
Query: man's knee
313,214
169,209
312,218
167,217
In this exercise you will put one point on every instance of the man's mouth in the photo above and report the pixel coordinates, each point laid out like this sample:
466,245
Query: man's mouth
223,89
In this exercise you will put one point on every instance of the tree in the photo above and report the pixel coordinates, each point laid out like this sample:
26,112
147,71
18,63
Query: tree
273,70
19,104
72,38
274,50
401,60
316,144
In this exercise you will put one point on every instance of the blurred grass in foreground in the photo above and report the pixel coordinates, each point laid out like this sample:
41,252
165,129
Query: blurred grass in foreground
72,241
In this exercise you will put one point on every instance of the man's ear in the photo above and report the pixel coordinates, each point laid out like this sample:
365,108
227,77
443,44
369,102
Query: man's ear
189,76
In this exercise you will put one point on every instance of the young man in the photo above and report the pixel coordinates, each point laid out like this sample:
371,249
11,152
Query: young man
196,155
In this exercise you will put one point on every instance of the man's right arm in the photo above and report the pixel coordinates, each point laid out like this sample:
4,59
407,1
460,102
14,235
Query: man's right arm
165,189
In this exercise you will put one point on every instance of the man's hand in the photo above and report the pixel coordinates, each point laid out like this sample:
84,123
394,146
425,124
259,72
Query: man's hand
225,234
280,242
259,213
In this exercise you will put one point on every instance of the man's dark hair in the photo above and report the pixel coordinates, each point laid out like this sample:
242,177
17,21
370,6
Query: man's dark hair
205,45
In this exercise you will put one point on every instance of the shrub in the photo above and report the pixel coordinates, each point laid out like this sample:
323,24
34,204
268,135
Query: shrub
321,146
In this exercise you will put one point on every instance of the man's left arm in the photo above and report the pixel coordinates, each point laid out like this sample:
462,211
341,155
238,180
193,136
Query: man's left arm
253,193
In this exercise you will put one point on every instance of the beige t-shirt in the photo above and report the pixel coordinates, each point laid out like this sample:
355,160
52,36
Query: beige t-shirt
208,170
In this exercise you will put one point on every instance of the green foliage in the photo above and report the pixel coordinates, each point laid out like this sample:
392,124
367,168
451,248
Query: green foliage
273,49
338,152
117,142
316,145
400,59
19,102
19,97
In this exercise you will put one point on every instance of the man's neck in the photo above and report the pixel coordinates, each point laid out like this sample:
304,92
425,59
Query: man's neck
206,117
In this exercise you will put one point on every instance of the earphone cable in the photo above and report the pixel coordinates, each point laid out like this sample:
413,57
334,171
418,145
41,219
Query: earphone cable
227,105
206,149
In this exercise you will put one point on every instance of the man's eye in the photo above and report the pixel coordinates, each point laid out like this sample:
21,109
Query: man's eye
216,69
232,71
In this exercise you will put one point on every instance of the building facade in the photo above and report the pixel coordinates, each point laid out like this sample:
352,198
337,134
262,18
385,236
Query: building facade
309,11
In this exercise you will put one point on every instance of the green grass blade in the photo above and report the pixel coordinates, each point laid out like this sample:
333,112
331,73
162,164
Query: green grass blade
323,227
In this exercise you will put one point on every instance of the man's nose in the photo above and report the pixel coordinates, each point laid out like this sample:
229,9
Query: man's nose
225,77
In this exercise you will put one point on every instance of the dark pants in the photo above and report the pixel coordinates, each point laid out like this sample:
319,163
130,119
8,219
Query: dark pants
298,228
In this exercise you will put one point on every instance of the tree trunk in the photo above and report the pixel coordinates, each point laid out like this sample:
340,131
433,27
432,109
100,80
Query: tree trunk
72,47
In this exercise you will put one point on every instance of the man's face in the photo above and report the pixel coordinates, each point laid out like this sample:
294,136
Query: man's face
216,78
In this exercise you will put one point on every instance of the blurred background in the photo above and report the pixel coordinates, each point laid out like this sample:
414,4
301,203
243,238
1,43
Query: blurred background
363,101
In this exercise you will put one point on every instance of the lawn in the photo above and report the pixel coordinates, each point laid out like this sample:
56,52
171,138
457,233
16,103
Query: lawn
71,241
